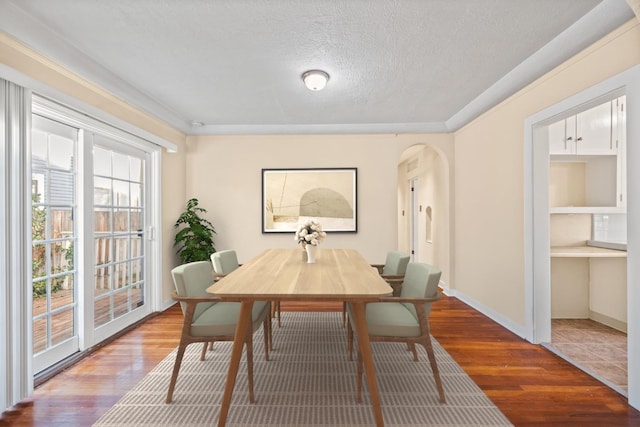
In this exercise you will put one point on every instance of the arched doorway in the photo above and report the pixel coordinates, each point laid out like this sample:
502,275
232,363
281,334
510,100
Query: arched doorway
424,222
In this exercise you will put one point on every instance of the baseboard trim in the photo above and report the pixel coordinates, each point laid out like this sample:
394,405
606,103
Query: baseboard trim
510,325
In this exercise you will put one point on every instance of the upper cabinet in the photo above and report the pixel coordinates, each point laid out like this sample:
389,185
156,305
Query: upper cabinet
588,163
588,132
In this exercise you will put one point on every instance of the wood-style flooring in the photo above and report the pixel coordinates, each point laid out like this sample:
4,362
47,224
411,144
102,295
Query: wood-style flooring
530,385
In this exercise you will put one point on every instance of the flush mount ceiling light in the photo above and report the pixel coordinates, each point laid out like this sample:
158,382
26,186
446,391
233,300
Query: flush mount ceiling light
196,124
315,79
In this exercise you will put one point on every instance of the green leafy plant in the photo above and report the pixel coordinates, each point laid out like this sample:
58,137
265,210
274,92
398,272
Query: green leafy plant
195,239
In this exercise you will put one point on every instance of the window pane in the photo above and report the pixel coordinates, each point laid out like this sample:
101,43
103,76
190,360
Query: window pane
61,257
101,220
103,250
38,222
120,220
136,195
101,162
61,152
120,303
136,271
61,223
102,280
121,193
61,188
120,275
120,166
62,291
121,249
38,191
62,326
137,297
136,221
136,246
101,311
39,147
39,335
101,191
137,170
39,259
39,297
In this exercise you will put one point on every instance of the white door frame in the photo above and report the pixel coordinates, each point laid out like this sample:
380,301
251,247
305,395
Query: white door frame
537,245
413,223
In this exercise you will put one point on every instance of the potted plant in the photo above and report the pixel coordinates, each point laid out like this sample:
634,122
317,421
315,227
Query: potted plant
195,239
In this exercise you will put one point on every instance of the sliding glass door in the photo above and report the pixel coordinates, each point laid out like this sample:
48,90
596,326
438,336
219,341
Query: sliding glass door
54,237
90,225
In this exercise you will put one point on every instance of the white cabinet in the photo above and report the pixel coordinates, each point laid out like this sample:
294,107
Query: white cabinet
588,132
587,153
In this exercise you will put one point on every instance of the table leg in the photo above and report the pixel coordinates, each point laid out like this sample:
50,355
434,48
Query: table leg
242,329
367,358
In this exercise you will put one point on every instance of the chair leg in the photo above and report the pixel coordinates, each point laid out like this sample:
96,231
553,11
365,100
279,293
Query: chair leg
359,381
211,345
176,368
412,349
434,366
204,350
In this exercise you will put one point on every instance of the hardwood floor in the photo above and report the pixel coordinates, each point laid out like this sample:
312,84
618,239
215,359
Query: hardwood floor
530,385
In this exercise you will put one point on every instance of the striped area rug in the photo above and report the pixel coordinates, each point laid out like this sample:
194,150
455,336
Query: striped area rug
307,382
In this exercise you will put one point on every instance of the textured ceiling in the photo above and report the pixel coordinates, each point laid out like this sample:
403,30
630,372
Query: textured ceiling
235,65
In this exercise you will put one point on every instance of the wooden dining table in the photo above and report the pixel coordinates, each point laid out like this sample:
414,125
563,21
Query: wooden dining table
284,275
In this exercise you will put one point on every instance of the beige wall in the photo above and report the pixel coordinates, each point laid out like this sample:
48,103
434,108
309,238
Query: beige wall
224,173
489,175
174,199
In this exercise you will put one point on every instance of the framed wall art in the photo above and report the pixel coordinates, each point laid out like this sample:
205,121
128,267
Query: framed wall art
291,196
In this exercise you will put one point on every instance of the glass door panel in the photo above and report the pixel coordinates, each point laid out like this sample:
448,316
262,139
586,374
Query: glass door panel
53,195
119,224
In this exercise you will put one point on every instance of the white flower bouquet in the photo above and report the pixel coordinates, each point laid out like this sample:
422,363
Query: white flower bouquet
310,233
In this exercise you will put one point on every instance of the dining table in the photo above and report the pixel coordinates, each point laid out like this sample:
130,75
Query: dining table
285,275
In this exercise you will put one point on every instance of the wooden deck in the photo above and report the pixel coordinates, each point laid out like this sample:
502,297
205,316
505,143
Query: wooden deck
62,326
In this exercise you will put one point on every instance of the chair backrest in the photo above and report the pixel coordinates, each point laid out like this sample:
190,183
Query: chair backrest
396,263
420,281
192,280
224,262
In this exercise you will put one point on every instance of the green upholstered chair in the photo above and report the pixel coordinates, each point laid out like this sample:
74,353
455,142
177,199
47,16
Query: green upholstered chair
404,318
207,319
224,262
392,271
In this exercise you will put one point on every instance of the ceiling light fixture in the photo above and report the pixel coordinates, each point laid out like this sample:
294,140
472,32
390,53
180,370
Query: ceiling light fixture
315,79
196,124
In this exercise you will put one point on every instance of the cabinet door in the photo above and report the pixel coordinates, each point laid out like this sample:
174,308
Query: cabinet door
593,131
558,143
619,136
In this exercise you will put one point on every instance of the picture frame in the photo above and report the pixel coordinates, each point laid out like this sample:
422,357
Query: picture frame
291,196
